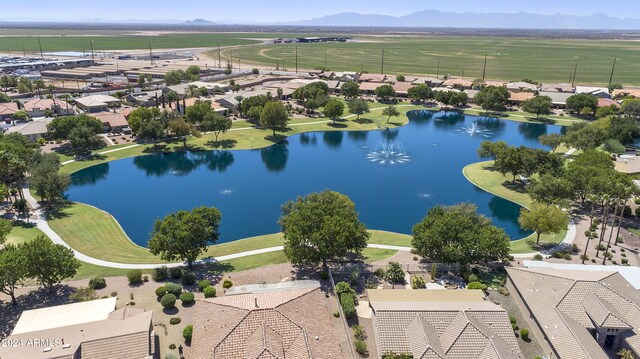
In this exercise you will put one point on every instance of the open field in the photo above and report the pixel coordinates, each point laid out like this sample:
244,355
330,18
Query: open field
508,58
491,181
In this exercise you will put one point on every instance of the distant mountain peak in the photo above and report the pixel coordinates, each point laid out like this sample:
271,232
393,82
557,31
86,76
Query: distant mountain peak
198,22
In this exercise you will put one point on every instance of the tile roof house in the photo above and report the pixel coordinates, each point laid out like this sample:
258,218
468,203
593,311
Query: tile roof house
559,87
92,329
460,84
32,130
402,88
558,99
631,92
579,313
603,102
273,322
521,86
441,324
7,110
372,78
431,81
38,106
599,92
370,87
112,120
96,103
520,97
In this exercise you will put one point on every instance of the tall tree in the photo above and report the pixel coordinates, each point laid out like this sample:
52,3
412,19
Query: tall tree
46,179
184,235
49,263
492,98
539,105
350,89
180,128
83,140
552,141
13,270
582,102
390,111
459,234
274,116
216,123
384,92
320,227
152,130
420,92
358,107
333,110
542,219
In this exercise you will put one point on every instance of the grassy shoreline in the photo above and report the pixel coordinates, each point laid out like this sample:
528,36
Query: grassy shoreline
491,181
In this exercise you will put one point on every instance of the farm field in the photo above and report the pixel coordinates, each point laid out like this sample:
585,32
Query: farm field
507,58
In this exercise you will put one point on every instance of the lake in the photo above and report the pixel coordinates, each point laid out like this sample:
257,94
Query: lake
393,176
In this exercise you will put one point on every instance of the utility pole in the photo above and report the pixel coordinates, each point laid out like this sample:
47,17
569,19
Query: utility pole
24,52
232,61
219,60
362,68
575,69
382,66
296,59
93,56
150,53
612,69
438,69
40,45
463,72
484,70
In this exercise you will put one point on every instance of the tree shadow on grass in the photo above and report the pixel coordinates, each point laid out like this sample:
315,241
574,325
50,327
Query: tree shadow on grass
542,120
337,125
397,124
224,144
156,149
517,186
214,271
58,210
276,138
363,120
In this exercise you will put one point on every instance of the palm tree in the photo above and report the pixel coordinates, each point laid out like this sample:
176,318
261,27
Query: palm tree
625,354
592,198
606,199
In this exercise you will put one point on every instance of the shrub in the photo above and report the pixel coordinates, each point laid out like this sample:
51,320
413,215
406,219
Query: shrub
168,301
175,272
574,248
227,284
504,291
358,332
379,272
175,320
114,294
336,314
161,291
324,275
83,294
593,260
255,71
173,288
513,319
626,212
344,287
187,298
619,240
134,276
537,257
476,285
524,334
514,326
624,261
347,301
160,273
187,332
584,257
203,284
418,282
97,283
472,278
209,292
361,347
145,278
188,278
172,346
132,303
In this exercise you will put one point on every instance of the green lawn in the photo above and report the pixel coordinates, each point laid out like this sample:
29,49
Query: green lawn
549,60
375,254
23,232
491,181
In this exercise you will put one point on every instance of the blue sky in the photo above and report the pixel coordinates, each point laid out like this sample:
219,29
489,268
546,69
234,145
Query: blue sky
289,10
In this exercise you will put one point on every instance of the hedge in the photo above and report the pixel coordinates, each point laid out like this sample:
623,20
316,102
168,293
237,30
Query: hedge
209,292
161,291
173,288
203,284
476,285
187,298
97,283
187,332
347,301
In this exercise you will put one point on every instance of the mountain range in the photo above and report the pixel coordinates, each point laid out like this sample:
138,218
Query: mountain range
435,18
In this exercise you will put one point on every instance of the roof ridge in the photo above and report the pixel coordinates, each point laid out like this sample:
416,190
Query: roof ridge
230,331
561,315
298,297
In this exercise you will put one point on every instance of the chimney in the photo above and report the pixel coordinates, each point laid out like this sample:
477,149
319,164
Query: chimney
256,302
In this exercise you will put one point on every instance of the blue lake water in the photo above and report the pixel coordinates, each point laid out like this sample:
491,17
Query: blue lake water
393,176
